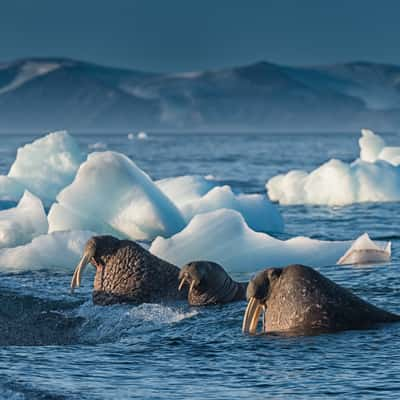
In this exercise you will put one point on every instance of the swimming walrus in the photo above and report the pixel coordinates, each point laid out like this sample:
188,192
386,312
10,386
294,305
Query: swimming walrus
299,300
127,273
210,284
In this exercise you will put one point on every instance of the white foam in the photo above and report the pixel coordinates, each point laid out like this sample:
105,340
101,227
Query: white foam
224,237
61,250
374,177
110,194
19,225
43,167
118,321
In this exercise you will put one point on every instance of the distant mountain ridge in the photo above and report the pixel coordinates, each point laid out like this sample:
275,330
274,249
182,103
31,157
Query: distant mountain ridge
55,93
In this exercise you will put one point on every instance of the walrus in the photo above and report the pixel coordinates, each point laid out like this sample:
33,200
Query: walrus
127,273
210,284
299,300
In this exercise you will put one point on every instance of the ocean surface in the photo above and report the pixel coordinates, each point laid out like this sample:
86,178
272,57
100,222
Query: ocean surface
174,351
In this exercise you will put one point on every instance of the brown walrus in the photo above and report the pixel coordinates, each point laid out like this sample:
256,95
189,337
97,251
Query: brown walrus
299,300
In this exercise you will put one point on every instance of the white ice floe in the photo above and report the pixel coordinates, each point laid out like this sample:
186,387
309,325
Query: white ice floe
60,250
131,136
19,225
374,177
43,167
365,251
223,236
110,194
197,195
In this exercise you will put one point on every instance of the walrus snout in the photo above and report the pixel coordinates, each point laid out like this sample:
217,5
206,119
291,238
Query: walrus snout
192,274
257,295
88,254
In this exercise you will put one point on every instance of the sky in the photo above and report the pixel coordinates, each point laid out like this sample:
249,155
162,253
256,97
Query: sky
189,35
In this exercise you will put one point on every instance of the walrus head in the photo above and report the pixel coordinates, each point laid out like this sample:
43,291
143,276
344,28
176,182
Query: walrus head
209,284
257,295
126,272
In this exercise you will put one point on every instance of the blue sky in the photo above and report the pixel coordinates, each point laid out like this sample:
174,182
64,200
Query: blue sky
185,35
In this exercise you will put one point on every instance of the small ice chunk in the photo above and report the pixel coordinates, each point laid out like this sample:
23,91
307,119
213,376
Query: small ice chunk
56,250
224,237
365,251
115,196
97,146
43,167
19,225
142,136
131,136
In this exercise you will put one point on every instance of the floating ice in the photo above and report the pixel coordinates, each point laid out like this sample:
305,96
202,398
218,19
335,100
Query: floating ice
183,190
223,236
43,167
197,195
131,136
365,251
110,194
142,136
97,146
56,250
19,225
374,177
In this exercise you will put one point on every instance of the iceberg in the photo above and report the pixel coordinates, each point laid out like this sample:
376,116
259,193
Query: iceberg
19,225
365,251
197,195
374,177
110,194
56,250
224,237
43,167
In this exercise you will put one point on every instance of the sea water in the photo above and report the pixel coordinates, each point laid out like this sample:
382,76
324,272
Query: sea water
173,351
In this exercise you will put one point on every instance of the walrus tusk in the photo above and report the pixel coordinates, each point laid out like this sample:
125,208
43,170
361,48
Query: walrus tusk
251,316
191,286
183,281
76,279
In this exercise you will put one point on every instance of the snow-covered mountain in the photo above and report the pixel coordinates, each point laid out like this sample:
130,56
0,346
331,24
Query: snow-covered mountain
60,93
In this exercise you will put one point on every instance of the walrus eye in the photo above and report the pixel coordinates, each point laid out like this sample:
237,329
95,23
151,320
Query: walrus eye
252,315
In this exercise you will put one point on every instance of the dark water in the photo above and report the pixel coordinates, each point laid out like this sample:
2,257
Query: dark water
177,352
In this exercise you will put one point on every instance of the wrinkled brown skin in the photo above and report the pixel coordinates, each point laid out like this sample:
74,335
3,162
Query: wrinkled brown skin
300,300
128,273
213,285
